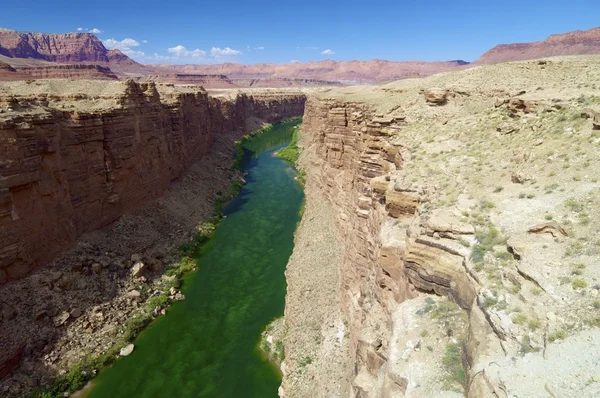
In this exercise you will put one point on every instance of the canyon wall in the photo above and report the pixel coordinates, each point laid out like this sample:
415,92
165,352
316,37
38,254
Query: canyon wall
348,154
65,172
442,267
393,252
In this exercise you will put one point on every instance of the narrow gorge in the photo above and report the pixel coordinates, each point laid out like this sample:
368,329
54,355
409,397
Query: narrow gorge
101,183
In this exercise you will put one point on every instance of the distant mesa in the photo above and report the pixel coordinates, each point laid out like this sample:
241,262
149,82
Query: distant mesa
8,73
67,47
224,81
374,71
572,43
6,67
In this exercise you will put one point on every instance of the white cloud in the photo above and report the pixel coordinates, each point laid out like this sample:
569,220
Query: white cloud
161,57
294,61
144,41
327,52
181,51
219,52
312,48
124,46
259,48
95,30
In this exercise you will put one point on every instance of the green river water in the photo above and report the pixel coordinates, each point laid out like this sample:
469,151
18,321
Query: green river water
207,345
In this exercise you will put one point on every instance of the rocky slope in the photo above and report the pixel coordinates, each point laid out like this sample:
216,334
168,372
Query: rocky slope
571,43
465,214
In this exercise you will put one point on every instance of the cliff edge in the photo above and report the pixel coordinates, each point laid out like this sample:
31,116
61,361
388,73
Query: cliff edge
465,214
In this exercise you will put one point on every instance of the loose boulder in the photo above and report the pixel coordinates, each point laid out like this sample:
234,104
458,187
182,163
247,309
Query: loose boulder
435,96
506,128
553,228
127,350
594,116
138,269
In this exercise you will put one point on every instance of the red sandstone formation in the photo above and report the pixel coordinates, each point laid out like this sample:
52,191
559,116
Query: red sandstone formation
80,48
572,43
93,72
8,73
66,172
68,47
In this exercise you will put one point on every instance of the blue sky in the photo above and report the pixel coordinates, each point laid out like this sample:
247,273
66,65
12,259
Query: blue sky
249,31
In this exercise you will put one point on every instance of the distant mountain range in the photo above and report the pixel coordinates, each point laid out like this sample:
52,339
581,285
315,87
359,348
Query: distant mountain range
38,49
578,42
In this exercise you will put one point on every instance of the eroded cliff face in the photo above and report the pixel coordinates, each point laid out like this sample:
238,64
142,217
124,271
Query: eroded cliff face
441,271
66,172
68,47
352,153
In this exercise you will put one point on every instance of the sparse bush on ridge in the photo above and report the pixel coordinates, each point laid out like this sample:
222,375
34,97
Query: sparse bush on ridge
453,364
487,239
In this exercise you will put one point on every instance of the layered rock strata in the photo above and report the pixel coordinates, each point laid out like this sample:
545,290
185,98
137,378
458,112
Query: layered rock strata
94,72
447,267
68,47
70,171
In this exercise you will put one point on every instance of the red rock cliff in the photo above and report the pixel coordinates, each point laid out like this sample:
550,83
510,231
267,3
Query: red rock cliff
65,172
68,47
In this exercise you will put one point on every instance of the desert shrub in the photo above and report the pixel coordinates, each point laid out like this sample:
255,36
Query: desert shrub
453,365
487,239
558,335
578,284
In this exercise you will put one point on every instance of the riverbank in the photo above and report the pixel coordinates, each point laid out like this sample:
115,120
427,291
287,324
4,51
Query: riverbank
98,274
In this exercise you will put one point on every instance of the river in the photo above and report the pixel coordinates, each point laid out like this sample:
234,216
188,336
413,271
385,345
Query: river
207,345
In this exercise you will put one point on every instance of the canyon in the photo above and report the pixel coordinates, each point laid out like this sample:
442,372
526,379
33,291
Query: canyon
99,154
66,172
448,246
